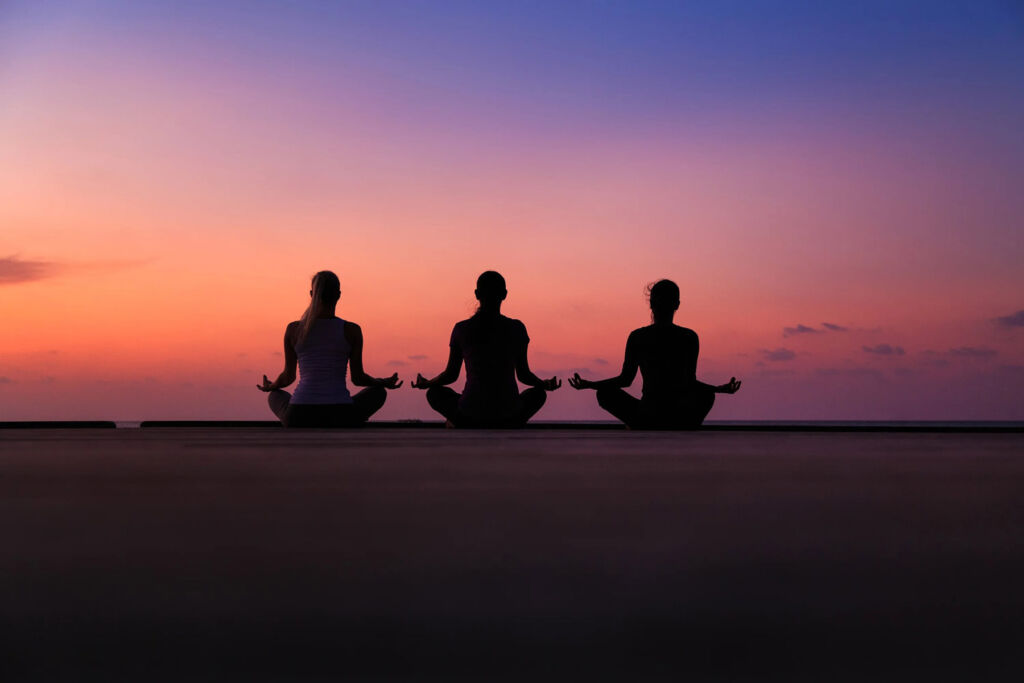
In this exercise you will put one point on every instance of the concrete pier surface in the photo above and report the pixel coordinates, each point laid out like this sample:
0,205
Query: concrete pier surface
269,554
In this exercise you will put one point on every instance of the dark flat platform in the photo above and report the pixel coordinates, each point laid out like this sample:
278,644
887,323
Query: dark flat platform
772,426
272,554
59,424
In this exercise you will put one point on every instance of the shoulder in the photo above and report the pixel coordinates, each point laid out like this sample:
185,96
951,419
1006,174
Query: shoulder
352,330
686,332
639,334
459,329
513,322
515,326
686,336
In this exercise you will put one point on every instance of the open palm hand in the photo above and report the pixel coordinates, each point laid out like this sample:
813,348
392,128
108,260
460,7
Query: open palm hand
730,387
577,382
421,382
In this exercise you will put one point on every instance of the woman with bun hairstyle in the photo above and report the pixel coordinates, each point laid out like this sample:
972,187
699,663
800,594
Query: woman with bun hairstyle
666,355
323,345
493,347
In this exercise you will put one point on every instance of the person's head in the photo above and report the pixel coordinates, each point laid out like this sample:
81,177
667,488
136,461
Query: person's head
326,288
324,294
663,296
490,290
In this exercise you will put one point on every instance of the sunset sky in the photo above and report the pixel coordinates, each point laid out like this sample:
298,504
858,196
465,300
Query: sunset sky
838,189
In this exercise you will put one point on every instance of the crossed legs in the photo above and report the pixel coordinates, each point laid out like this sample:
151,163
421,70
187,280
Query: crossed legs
445,400
364,404
688,412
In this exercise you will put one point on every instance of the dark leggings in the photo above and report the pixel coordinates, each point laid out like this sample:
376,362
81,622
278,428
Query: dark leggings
445,400
687,412
364,404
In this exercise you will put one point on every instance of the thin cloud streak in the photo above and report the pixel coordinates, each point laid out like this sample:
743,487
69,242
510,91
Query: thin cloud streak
807,329
885,350
799,329
973,352
14,270
778,355
857,371
1012,320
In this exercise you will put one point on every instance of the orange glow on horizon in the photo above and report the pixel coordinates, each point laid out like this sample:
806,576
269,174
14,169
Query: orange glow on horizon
182,201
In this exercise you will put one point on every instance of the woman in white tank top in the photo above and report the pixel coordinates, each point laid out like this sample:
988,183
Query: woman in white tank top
322,345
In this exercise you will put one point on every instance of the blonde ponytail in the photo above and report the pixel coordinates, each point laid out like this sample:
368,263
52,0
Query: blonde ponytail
326,290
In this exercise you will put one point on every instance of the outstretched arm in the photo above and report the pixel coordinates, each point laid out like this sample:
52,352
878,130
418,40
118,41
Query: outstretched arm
526,376
730,387
354,335
447,376
287,375
630,365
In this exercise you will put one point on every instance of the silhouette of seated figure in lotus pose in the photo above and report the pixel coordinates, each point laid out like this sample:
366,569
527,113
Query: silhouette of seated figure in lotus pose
494,350
322,345
666,355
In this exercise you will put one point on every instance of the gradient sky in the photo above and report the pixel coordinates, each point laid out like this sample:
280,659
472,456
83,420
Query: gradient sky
171,177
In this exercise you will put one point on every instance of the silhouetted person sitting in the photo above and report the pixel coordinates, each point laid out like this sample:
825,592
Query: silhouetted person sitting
323,345
494,350
666,355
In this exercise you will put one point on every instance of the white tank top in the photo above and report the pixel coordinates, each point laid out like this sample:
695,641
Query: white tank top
323,360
